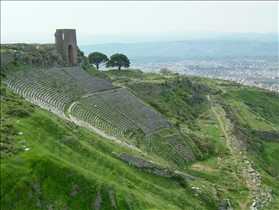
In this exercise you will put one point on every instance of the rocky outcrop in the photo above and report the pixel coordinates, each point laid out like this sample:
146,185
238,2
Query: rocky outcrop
6,57
268,135
36,54
186,82
201,87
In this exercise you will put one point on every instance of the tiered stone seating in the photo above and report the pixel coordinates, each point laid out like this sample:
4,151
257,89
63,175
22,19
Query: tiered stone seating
65,84
102,115
179,144
166,151
134,109
53,93
92,84
99,107
61,81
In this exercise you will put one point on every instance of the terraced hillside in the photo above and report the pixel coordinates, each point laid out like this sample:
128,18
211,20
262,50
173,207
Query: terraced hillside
54,88
217,141
91,100
48,162
102,115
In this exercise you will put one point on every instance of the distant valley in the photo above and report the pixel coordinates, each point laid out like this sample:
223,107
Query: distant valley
250,61
186,49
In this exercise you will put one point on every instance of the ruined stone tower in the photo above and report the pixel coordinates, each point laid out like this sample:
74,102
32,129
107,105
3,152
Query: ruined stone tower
66,44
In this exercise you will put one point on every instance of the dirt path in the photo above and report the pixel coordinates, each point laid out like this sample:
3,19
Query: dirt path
200,167
236,159
228,140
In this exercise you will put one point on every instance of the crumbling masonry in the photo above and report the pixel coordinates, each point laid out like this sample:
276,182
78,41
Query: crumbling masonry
66,44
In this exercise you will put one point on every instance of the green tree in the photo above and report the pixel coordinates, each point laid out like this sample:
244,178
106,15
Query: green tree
118,60
97,58
165,71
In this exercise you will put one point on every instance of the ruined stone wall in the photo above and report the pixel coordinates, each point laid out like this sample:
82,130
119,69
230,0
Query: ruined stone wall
6,57
66,44
138,162
153,168
30,54
28,47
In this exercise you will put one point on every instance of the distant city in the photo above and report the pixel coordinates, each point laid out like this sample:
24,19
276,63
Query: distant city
249,59
260,73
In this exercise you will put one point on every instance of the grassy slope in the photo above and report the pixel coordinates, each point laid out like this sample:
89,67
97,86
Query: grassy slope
252,109
59,159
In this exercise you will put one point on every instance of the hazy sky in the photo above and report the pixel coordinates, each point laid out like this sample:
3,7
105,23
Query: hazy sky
40,19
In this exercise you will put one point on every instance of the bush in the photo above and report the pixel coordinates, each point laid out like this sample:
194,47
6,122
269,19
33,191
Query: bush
208,145
69,140
165,71
180,180
14,48
19,110
8,129
14,62
157,107
3,91
271,171
177,125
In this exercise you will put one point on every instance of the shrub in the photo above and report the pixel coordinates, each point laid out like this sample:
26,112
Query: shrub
177,125
3,91
14,48
14,62
69,140
205,115
180,180
8,128
18,110
271,171
208,145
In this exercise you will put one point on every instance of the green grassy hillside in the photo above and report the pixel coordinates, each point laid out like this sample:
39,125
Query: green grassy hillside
224,133
66,166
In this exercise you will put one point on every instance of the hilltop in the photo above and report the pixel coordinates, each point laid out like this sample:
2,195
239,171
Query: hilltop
132,140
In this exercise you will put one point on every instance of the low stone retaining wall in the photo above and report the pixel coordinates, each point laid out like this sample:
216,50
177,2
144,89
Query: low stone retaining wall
138,162
153,168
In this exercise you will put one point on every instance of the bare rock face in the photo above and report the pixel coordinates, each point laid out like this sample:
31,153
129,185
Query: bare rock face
201,87
186,82
268,135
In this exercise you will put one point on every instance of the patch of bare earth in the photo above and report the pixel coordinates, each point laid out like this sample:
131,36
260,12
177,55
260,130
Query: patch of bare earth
200,167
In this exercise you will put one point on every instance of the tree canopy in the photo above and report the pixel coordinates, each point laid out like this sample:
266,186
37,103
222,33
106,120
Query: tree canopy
165,71
97,58
118,60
